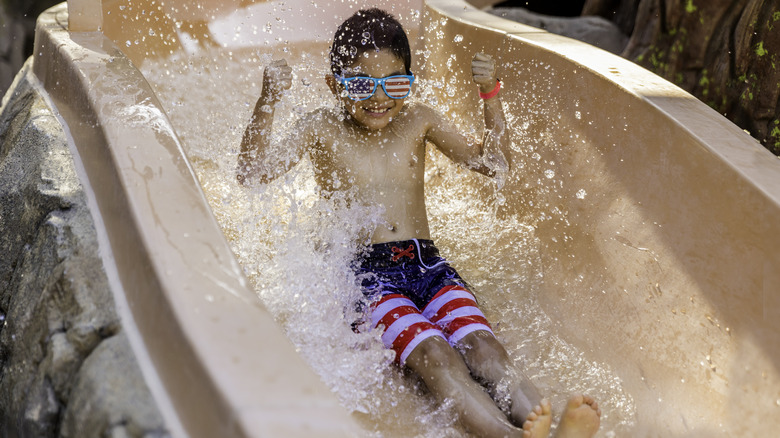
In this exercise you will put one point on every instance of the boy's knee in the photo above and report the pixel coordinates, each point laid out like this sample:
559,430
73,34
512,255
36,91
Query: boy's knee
481,349
481,342
434,351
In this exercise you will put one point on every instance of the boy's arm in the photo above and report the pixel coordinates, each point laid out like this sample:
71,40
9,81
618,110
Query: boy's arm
488,155
254,160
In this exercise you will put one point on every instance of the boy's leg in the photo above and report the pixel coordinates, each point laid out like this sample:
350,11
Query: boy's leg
454,308
488,360
447,377
421,346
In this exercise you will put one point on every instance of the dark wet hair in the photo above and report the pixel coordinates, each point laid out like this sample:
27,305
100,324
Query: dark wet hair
368,29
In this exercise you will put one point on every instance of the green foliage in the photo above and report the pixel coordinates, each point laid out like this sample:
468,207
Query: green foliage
774,138
689,6
751,83
658,61
704,83
760,51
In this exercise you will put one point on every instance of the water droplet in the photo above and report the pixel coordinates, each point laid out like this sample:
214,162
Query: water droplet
549,173
458,38
581,193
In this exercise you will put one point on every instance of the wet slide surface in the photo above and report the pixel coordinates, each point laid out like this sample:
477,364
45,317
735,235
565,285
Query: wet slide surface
632,253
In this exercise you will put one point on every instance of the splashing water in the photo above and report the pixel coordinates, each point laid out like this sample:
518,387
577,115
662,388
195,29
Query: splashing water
296,246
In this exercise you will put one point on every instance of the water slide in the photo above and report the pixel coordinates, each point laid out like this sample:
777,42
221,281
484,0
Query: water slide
641,224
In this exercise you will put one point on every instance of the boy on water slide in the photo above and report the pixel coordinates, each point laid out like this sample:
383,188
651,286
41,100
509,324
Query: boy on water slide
375,145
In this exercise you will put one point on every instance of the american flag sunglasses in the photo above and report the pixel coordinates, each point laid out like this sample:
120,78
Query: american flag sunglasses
363,87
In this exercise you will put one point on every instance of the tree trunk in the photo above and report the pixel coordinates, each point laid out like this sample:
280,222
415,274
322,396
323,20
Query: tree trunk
725,52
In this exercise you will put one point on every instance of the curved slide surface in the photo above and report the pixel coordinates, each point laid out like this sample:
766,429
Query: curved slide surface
656,218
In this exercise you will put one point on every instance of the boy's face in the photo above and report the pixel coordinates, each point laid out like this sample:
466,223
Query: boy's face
379,110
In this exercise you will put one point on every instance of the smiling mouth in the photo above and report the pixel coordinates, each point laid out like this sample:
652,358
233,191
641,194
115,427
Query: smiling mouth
376,111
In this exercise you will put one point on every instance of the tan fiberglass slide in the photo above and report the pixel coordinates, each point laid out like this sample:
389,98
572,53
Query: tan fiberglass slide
634,247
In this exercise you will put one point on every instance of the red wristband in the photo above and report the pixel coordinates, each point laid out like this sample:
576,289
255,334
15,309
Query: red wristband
493,93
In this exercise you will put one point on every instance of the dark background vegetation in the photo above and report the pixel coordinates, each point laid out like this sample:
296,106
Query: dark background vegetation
562,8
724,52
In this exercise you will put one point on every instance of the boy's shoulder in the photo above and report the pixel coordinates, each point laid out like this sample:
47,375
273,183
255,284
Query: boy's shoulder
423,113
322,114
322,121
419,108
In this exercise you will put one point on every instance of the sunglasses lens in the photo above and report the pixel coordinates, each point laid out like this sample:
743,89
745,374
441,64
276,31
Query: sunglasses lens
360,88
398,87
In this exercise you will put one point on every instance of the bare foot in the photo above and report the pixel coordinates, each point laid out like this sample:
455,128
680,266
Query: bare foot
580,419
537,424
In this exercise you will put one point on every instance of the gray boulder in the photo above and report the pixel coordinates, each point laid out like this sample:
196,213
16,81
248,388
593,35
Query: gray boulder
61,342
597,31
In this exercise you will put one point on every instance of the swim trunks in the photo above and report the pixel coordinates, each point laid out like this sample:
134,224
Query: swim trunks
416,294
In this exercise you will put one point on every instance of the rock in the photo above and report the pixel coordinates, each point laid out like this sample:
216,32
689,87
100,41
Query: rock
620,12
56,304
596,31
107,399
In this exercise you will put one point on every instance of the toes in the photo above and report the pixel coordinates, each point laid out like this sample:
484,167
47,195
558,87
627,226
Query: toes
535,421
534,414
590,401
576,401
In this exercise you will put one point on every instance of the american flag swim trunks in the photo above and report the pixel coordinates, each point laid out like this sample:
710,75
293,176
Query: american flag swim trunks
415,294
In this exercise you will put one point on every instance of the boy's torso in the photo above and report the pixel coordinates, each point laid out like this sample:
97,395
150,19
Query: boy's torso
384,168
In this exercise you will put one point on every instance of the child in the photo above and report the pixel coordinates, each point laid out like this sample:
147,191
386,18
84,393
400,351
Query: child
376,147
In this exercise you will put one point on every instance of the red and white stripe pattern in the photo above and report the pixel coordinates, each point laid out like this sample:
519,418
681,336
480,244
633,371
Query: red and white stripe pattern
452,314
454,309
405,327
397,87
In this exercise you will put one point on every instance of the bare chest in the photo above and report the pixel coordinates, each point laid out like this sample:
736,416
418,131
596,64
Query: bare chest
387,161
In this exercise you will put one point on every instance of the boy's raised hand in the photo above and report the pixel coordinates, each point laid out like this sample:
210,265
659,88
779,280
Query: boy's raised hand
483,69
277,77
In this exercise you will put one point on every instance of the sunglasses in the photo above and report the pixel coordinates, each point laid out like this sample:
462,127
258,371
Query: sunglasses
363,87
